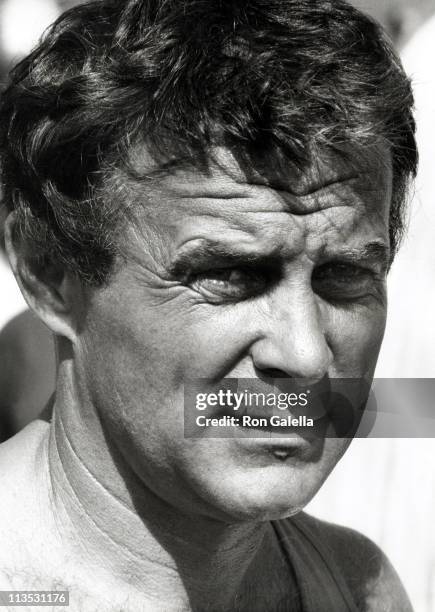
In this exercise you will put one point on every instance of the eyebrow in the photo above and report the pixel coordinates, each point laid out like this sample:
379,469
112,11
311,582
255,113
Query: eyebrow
212,251
208,252
372,251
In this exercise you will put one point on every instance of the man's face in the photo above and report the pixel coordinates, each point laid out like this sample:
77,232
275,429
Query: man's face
229,276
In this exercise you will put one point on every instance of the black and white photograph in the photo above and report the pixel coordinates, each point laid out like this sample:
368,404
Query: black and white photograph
217,305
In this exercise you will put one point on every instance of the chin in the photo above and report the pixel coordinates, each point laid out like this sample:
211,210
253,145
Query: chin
257,509
263,496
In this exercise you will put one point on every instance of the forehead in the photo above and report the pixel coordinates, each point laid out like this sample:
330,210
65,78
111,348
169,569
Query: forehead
333,201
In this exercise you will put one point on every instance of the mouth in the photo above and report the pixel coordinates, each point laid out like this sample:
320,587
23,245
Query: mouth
282,453
276,412
290,448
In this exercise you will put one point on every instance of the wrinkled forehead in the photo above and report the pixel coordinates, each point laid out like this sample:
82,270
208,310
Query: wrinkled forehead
336,202
228,171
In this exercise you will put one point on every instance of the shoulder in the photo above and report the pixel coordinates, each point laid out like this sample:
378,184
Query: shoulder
369,574
23,513
19,456
21,474
22,461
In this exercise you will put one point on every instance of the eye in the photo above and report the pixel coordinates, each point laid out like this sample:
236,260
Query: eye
229,284
343,281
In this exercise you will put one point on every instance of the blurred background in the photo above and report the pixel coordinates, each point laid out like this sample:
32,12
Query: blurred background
385,488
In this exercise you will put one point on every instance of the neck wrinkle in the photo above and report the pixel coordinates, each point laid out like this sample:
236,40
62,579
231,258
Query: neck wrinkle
157,550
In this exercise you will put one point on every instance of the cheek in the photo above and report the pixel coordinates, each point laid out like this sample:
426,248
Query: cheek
141,355
355,337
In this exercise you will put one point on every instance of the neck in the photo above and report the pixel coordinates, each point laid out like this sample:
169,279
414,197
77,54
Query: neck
161,553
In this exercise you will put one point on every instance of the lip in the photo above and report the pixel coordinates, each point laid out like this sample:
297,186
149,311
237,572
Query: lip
269,427
281,450
295,446
284,439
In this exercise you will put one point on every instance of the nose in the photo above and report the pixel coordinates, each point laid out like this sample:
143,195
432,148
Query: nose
292,341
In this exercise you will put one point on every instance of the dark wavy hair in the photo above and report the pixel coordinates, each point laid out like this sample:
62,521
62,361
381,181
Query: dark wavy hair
269,76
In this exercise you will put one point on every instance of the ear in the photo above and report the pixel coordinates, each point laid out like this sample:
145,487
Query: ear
55,296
